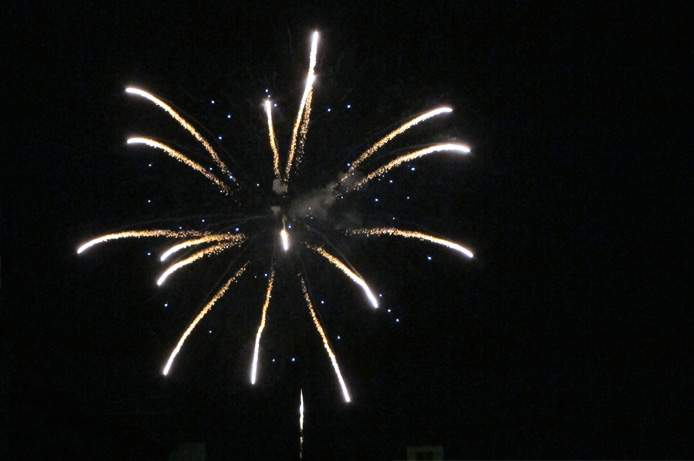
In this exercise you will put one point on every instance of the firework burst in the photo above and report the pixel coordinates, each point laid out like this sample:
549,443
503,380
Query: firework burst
293,230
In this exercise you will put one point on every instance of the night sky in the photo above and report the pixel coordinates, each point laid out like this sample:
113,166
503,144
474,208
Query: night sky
567,336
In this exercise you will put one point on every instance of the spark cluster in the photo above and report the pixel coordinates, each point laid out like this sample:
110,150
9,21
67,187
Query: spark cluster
194,245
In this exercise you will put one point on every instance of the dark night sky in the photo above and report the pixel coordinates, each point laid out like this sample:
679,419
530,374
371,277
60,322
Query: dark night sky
568,336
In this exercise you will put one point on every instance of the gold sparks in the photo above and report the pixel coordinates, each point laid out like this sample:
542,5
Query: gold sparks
410,234
273,143
326,344
238,238
268,296
185,125
394,133
191,259
182,158
140,234
358,280
203,244
459,148
199,317
302,118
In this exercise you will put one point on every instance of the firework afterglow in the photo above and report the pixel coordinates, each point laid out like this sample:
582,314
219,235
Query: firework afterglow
291,230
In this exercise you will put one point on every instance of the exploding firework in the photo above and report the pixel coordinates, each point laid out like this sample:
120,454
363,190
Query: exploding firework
291,219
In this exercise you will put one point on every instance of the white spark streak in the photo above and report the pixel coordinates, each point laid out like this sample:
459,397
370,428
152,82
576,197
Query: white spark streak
268,296
184,124
459,148
326,344
410,234
273,142
394,133
182,158
301,123
191,259
358,280
239,238
285,239
139,234
199,317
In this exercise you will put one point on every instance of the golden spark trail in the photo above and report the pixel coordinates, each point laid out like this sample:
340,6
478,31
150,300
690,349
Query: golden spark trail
191,259
139,234
238,238
305,103
182,158
391,135
199,317
304,130
185,125
410,234
326,344
268,296
414,155
358,280
273,143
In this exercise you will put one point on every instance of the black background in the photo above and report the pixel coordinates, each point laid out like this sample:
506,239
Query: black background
568,336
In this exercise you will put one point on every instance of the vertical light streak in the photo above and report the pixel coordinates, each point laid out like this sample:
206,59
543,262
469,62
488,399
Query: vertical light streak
268,296
301,410
185,125
394,133
410,234
302,116
182,158
284,235
194,257
303,131
301,424
326,344
412,156
199,317
358,280
138,234
237,238
273,142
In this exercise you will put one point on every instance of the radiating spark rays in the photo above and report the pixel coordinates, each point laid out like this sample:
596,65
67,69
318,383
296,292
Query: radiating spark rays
337,263
302,118
411,234
326,344
273,143
199,317
238,238
185,125
191,259
182,158
139,234
284,235
268,296
216,243
400,130
412,156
